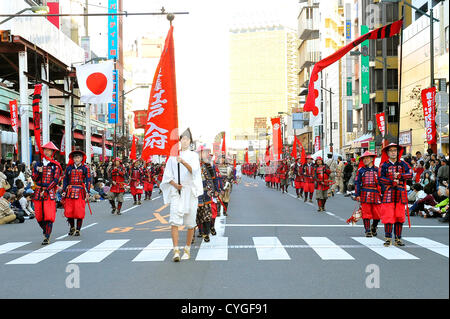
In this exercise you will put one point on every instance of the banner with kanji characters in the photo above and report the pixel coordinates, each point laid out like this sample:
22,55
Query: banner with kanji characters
381,122
14,119
429,112
277,139
161,129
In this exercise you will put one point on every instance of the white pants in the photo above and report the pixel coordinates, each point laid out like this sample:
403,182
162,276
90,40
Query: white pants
187,215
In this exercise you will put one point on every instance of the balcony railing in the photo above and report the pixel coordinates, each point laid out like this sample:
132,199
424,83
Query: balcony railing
308,23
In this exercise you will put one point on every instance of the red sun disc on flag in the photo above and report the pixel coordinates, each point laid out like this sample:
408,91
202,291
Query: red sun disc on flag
96,83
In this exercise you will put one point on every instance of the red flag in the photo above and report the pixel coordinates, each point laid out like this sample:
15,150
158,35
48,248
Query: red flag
223,144
303,156
429,112
133,149
267,156
277,142
161,129
246,155
380,33
294,148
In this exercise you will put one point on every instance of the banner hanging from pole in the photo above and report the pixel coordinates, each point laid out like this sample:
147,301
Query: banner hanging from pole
161,129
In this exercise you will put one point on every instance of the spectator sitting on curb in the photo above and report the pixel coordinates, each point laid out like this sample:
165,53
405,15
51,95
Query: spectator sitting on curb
23,202
7,215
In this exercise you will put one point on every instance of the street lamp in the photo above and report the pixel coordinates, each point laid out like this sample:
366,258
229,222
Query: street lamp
34,9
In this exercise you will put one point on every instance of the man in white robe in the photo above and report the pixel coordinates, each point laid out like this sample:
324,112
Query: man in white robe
182,195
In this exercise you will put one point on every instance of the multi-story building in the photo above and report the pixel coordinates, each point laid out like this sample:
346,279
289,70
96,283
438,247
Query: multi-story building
38,49
263,83
416,73
321,32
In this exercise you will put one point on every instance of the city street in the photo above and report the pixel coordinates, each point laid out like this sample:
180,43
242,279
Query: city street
269,246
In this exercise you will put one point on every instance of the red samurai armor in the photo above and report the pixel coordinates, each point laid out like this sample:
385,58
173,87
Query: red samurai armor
46,182
76,185
136,181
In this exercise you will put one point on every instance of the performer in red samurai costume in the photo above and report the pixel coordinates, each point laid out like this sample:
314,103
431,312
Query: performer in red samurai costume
148,180
368,192
308,178
46,175
322,183
298,178
117,189
76,186
393,174
136,174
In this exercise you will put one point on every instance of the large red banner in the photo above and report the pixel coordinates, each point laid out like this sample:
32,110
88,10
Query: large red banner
429,112
161,129
276,134
380,33
381,122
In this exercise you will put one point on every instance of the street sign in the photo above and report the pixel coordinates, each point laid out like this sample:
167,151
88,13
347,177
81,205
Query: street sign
372,146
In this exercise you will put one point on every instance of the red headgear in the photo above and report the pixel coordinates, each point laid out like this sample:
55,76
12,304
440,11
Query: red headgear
50,146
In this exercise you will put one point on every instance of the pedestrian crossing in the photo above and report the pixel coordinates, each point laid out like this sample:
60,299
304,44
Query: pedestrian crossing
218,249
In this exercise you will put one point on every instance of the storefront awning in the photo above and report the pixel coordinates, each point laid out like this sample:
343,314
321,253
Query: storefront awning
362,141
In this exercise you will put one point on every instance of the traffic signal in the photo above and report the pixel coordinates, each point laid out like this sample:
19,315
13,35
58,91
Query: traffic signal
5,36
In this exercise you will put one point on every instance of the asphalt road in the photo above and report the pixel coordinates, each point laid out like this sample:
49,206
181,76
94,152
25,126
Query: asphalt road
270,246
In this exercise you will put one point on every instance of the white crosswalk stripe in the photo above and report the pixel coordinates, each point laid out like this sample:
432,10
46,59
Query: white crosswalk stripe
270,248
267,248
11,246
326,249
157,250
100,252
215,249
391,253
43,253
432,245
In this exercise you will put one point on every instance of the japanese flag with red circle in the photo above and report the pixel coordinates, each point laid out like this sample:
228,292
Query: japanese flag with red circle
96,82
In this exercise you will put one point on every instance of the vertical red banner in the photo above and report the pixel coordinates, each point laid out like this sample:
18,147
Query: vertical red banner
317,144
14,119
429,112
161,130
381,122
276,134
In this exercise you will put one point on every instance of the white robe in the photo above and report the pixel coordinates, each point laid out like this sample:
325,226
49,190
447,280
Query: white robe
192,183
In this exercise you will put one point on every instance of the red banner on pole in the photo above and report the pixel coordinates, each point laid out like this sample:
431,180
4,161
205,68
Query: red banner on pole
223,144
133,149
381,122
14,119
276,134
429,112
161,129
386,31
317,144
140,119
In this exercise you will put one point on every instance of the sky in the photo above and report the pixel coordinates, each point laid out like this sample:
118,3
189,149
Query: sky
201,50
